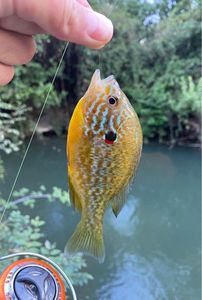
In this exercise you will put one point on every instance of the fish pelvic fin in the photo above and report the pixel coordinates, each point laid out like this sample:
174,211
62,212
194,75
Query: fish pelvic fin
88,240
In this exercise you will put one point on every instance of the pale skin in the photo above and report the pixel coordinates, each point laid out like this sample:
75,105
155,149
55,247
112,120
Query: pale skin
68,20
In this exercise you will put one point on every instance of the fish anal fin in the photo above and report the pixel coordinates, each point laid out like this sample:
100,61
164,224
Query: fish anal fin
118,202
88,240
74,198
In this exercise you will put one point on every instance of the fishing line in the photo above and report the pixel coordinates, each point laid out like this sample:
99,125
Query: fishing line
33,133
113,6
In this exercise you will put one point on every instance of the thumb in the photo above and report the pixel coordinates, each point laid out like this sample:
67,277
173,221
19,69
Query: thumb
71,20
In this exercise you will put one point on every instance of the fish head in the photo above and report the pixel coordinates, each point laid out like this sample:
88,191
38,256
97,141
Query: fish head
105,108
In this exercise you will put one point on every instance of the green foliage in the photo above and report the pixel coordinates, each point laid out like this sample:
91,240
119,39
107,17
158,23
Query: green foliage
186,110
189,97
27,93
20,233
10,116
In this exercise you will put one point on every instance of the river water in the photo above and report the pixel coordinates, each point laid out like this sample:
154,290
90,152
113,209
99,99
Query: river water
153,247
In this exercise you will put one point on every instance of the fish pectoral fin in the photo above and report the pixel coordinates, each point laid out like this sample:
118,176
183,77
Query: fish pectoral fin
118,202
88,240
74,198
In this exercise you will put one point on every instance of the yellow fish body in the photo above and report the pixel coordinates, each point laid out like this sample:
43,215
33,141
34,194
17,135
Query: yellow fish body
104,147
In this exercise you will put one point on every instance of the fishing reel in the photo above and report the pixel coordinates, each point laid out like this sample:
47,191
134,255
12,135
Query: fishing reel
34,278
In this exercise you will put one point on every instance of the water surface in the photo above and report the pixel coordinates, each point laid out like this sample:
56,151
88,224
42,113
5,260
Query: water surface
153,247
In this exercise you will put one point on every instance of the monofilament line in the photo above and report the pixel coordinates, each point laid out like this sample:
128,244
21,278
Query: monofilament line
33,133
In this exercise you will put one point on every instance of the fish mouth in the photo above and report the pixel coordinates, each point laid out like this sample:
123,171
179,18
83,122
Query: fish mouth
105,81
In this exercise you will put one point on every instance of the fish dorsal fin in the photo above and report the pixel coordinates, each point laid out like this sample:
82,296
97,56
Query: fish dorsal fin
74,198
119,201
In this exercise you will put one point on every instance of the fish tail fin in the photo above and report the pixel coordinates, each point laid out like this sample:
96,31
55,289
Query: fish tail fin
87,239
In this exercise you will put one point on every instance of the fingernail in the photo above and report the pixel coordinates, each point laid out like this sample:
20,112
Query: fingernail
99,27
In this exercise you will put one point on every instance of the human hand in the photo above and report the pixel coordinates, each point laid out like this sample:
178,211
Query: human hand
70,20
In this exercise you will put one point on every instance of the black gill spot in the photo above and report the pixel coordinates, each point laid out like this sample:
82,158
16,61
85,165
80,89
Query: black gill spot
110,136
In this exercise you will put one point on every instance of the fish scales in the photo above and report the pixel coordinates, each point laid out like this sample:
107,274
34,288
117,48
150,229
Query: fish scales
104,147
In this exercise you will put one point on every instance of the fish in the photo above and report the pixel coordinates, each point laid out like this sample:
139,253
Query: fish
104,146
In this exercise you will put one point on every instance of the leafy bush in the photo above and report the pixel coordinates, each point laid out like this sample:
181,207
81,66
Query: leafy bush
10,116
27,93
186,110
15,223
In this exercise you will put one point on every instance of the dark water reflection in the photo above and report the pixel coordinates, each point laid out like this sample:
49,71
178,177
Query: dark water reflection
153,247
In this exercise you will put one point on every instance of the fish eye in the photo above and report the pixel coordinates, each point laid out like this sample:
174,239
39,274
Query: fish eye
110,137
112,100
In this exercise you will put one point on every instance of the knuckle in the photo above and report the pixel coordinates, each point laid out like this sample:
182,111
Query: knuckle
60,25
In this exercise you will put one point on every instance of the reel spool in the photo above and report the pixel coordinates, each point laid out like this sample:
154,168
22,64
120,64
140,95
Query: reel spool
33,279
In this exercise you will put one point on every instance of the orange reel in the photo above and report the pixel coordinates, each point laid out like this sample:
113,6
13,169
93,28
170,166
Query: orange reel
31,278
